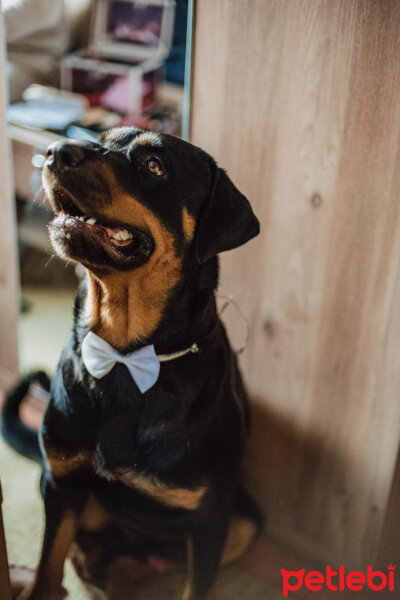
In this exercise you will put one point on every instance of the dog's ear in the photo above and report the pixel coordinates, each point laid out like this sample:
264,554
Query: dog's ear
227,220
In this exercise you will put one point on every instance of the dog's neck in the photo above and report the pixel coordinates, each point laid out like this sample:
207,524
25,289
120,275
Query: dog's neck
121,310
128,312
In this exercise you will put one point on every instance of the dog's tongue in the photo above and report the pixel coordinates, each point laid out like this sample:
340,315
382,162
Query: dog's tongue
112,230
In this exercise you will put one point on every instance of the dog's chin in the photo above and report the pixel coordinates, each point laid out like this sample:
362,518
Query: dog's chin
99,246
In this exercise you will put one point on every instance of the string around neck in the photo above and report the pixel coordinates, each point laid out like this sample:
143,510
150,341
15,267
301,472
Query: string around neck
229,299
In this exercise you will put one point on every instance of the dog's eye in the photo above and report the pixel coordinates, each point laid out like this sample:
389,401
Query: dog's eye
154,166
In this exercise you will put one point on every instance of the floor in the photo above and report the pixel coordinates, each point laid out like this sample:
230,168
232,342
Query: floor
48,288
44,327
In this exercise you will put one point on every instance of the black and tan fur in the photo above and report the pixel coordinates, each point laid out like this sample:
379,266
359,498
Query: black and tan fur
134,480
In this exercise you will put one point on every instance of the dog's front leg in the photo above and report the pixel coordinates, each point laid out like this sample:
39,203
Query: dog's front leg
63,502
205,544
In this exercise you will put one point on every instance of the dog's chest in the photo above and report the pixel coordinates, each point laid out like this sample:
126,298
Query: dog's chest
145,482
138,441
159,489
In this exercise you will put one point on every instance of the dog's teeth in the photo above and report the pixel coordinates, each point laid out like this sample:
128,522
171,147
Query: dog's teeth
119,235
122,235
91,221
125,235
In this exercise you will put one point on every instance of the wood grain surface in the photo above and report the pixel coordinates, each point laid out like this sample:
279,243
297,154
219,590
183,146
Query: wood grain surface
9,302
300,102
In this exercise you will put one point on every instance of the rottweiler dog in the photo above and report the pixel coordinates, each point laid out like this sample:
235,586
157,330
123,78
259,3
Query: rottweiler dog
139,480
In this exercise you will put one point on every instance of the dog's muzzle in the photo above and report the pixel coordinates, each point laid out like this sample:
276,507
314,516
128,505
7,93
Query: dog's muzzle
69,154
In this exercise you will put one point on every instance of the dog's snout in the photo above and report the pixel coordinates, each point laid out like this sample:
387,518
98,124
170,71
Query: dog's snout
68,154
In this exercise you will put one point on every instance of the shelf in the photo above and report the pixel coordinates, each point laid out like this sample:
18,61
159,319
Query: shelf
32,137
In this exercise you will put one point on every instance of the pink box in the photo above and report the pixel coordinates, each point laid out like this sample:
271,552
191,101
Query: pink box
129,42
126,88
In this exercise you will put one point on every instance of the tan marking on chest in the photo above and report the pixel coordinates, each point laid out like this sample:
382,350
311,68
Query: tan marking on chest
93,299
160,491
127,307
61,464
188,224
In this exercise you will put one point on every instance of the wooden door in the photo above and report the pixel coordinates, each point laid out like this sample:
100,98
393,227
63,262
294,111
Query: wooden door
9,296
300,102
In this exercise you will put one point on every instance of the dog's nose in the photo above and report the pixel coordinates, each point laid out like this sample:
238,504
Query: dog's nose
68,154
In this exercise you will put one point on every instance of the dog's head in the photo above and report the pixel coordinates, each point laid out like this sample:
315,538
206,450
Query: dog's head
141,198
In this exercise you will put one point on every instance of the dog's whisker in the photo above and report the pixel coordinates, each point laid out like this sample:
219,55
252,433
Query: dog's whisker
43,204
38,193
41,200
50,259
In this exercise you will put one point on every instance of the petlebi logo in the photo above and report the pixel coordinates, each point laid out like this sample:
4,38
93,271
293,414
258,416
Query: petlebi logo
338,580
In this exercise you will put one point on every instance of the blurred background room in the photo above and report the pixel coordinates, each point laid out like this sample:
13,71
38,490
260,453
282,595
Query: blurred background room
76,68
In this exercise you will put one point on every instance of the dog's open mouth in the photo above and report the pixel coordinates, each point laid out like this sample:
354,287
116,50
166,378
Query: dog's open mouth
85,236
117,235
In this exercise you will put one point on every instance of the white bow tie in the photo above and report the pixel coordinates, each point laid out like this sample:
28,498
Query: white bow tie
99,357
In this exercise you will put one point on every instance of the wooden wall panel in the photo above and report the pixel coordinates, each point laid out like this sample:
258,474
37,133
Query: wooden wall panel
300,102
8,266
